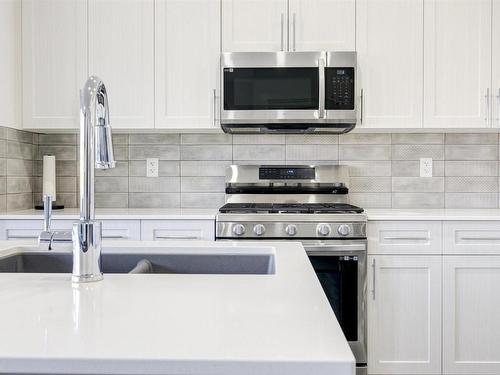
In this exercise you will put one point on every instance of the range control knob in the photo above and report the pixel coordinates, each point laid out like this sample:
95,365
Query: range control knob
323,229
291,230
239,230
343,229
259,229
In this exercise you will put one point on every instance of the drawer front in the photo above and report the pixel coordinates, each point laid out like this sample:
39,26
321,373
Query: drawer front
164,230
30,229
404,237
121,229
471,237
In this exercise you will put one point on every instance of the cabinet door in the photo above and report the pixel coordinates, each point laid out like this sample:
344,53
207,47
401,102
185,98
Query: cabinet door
390,57
10,63
457,63
471,307
187,63
496,65
121,42
254,25
328,25
404,315
54,62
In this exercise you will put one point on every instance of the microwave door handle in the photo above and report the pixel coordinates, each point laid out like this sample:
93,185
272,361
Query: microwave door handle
322,83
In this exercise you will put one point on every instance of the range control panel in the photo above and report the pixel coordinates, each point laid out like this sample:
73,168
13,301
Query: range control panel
281,173
340,93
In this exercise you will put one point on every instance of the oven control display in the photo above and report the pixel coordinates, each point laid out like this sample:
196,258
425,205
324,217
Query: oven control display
280,173
339,88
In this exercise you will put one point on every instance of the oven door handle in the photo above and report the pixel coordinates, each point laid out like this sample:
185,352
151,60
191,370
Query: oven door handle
319,249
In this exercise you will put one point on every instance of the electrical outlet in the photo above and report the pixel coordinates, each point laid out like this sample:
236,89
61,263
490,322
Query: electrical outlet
425,167
152,167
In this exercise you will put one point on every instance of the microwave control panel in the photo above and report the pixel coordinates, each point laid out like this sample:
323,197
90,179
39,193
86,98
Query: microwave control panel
339,91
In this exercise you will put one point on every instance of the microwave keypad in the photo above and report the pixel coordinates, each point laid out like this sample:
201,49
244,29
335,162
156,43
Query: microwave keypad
339,88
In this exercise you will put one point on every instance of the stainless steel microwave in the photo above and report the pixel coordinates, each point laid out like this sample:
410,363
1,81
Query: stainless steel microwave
288,92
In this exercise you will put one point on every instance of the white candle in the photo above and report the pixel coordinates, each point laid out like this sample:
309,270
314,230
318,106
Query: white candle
49,176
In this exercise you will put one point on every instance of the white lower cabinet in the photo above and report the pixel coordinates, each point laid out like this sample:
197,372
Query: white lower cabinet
471,315
404,314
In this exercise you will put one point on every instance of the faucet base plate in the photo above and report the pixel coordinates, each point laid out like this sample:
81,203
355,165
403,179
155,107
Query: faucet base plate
86,278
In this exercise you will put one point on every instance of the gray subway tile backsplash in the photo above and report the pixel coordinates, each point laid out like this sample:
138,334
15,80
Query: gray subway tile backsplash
365,139
472,184
415,152
154,200
471,152
384,171
258,139
417,200
471,200
317,152
206,152
154,138
202,184
418,184
154,185
259,152
473,139
417,138
162,152
364,152
471,168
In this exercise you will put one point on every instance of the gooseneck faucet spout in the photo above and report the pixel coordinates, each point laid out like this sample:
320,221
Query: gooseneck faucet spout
96,151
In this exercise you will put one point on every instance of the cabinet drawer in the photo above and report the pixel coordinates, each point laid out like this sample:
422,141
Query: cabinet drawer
471,237
178,230
404,237
30,229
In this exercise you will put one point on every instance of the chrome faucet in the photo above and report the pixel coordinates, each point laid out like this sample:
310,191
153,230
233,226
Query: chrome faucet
96,151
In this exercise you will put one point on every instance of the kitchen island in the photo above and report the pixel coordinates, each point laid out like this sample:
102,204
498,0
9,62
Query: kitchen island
278,323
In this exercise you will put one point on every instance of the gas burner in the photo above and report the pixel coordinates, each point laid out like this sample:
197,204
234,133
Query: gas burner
290,208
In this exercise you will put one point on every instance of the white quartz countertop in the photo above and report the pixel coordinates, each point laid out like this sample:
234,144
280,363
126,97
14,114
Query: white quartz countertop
119,214
437,214
183,324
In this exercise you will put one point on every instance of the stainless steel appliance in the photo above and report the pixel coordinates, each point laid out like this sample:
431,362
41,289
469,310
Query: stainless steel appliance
288,92
306,203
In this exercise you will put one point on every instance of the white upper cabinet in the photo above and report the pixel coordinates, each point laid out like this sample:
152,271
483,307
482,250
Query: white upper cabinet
404,315
496,65
254,25
471,307
288,25
457,63
54,62
389,44
10,63
121,53
322,25
187,63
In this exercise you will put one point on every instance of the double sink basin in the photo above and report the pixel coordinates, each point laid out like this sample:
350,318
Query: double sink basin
196,259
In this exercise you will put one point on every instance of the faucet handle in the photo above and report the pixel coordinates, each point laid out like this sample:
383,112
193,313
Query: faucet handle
47,212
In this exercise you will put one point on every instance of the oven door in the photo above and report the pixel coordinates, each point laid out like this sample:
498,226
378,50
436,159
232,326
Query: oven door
268,87
341,269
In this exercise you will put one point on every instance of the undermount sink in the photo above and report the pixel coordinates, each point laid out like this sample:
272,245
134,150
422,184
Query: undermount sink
145,263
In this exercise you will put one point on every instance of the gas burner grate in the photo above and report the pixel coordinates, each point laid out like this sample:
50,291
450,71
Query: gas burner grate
288,208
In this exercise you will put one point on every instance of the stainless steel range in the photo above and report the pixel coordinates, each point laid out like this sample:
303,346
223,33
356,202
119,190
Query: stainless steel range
309,204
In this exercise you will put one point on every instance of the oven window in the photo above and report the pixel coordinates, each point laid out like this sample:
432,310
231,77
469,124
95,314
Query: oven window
338,276
271,88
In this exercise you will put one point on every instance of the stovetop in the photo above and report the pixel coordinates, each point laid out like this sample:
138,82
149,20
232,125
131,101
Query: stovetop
301,208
